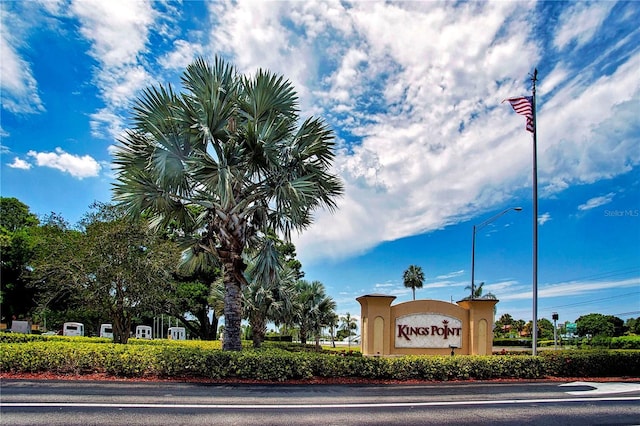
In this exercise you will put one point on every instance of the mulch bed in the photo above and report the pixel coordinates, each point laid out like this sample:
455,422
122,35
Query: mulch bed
313,381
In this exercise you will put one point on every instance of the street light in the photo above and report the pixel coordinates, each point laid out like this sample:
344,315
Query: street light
476,228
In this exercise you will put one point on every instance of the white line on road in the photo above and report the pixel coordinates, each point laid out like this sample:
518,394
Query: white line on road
312,406
603,388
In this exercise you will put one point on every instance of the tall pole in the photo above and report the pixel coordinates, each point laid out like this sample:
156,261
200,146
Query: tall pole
534,343
473,262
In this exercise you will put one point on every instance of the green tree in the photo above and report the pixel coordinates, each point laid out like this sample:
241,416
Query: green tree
413,278
349,324
594,325
234,146
504,325
314,309
269,294
18,230
15,215
333,321
114,266
477,291
545,328
632,325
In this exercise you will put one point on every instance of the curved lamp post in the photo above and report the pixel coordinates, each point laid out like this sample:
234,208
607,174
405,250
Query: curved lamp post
476,228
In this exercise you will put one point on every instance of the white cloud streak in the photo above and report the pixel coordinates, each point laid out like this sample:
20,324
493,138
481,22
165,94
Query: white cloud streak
597,202
573,288
18,87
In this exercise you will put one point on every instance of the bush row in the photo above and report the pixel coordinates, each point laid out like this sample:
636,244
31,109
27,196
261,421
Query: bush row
622,342
274,364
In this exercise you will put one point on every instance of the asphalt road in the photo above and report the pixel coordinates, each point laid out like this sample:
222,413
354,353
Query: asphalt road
34,402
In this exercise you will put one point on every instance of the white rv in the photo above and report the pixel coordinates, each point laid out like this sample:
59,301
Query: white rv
143,332
73,329
106,330
176,333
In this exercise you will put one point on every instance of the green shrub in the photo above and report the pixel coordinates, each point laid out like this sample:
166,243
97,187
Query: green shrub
592,363
625,342
193,359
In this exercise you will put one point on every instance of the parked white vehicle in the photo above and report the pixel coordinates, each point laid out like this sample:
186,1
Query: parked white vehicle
143,332
177,333
106,330
73,329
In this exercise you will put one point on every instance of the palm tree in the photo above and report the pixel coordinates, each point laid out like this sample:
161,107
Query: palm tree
333,323
477,291
226,161
413,278
348,324
314,309
268,297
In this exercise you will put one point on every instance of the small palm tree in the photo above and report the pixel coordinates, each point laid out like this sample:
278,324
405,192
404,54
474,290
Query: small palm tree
349,323
268,296
314,308
413,278
477,291
227,161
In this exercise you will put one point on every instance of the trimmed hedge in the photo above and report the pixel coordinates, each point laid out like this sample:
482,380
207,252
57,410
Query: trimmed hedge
188,360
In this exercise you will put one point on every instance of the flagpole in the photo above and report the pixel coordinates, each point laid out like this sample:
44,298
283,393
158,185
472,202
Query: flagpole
534,343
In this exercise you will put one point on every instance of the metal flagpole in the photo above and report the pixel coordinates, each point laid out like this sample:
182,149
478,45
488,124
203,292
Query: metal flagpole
534,343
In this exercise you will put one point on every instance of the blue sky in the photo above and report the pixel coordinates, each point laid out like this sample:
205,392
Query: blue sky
413,91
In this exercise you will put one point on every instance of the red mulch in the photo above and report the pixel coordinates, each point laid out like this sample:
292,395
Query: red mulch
312,381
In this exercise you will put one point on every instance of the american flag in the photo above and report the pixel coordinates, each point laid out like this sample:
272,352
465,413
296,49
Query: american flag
524,106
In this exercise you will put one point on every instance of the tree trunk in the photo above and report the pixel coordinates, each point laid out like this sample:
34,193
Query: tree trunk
233,268
121,326
259,328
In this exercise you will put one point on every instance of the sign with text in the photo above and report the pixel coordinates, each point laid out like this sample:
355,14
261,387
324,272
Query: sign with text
428,331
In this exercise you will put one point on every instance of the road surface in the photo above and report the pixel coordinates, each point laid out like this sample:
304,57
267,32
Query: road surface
40,402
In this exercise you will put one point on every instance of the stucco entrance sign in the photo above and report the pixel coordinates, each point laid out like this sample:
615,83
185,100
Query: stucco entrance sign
428,331
425,327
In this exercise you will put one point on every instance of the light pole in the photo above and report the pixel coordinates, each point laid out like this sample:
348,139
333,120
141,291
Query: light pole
476,228
555,317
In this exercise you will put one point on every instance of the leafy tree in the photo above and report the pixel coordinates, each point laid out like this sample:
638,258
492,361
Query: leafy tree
55,266
114,265
504,324
349,324
618,325
545,328
15,215
198,303
17,229
233,146
413,278
632,325
595,325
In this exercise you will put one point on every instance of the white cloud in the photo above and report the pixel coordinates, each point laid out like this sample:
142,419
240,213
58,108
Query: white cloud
19,164
450,275
18,87
544,218
415,89
77,166
572,288
121,72
597,202
580,22
182,55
